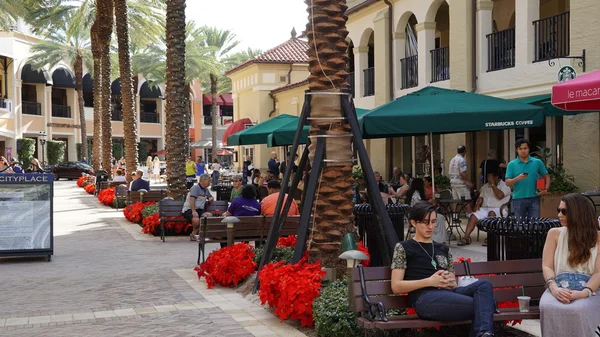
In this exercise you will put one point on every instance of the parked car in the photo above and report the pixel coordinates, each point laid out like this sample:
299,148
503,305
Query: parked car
71,170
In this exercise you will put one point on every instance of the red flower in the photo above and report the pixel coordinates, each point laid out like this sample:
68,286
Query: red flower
227,266
81,180
287,241
364,249
133,212
152,222
460,259
291,289
107,196
90,188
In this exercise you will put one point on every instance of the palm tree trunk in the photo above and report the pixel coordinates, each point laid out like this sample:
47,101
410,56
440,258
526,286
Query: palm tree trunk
104,13
177,98
334,206
79,89
97,145
129,113
214,113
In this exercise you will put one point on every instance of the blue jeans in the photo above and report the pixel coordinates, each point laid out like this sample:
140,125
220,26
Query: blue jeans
474,302
526,207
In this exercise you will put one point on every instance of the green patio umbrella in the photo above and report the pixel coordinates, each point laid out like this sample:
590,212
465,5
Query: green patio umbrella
284,136
437,110
258,133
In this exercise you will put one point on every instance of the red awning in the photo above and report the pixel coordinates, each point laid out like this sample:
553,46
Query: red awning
224,152
227,99
579,94
235,127
207,100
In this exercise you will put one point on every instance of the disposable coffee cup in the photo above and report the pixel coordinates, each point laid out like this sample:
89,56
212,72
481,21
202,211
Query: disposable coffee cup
197,237
524,303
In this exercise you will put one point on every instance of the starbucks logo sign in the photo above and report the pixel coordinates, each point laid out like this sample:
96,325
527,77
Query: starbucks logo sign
566,73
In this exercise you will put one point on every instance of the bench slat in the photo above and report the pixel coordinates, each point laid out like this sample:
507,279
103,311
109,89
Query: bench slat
501,267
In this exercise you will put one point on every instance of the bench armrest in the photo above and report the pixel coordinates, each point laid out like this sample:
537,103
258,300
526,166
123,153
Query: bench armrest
373,311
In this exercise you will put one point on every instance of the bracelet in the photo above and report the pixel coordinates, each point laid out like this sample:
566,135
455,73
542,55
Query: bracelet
549,283
550,279
588,291
592,293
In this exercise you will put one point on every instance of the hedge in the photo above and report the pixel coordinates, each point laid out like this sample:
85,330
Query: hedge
25,149
56,151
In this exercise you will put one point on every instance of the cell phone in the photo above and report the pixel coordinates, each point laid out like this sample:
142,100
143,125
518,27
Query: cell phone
525,173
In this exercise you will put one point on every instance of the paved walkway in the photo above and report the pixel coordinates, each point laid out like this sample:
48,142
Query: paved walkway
108,279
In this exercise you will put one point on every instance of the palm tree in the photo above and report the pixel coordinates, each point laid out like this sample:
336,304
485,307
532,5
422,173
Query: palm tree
97,145
69,41
12,10
221,42
333,215
177,98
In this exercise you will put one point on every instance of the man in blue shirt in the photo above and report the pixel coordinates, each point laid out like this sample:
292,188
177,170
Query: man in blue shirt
522,174
274,164
138,183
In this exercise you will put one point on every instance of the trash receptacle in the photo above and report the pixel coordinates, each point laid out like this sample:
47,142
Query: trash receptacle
101,175
512,239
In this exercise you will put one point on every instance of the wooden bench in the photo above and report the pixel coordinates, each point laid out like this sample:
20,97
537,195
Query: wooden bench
168,208
108,184
250,228
371,294
152,195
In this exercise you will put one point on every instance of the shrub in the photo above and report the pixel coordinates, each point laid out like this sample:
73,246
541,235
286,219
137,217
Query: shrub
56,151
227,266
122,203
25,149
149,210
287,241
107,196
89,150
81,180
133,212
117,150
332,314
91,188
280,253
142,152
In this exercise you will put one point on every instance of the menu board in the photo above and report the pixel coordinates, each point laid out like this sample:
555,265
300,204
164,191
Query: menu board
25,213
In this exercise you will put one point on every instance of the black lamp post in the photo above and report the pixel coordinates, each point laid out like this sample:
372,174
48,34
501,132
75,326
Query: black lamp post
43,142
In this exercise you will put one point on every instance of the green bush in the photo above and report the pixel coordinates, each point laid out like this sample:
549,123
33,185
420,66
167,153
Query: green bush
442,182
25,149
56,151
149,210
117,150
89,150
560,181
122,203
142,152
279,254
332,314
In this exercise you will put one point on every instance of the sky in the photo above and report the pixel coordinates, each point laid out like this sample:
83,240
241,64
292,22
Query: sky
261,24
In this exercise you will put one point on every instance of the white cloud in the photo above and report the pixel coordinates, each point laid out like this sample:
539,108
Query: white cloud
257,23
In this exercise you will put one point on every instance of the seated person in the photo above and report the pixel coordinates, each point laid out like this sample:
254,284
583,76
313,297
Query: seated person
424,269
195,204
269,202
15,166
415,195
138,183
35,166
120,177
428,188
398,194
572,271
383,188
236,190
493,195
4,167
246,204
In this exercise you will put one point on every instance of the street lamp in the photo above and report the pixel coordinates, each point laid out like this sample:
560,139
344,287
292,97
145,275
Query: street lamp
43,142
350,252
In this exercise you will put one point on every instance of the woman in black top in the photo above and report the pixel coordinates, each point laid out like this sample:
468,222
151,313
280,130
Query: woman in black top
424,269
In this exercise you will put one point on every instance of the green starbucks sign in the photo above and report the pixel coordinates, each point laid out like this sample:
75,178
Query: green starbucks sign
566,73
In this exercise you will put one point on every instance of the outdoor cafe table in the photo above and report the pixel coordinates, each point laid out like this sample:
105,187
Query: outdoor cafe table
452,216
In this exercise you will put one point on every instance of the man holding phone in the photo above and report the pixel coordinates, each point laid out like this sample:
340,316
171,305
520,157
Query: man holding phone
522,174
199,195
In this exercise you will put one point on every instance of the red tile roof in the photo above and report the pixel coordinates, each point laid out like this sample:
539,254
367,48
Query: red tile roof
290,86
289,52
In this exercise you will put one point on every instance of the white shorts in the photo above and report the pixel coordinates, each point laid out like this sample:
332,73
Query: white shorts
460,191
484,212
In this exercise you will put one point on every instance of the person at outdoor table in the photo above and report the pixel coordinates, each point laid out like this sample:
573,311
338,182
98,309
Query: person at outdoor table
138,183
401,191
383,188
4,167
195,204
35,166
424,269
491,164
120,177
415,195
247,170
395,179
236,190
459,182
269,202
571,269
493,195
245,204
522,174
215,173
257,180
428,188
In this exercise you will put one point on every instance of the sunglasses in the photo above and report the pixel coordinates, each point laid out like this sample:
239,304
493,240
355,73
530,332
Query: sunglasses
562,211
235,181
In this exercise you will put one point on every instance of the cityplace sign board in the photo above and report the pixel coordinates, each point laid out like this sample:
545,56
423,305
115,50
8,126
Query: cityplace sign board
26,222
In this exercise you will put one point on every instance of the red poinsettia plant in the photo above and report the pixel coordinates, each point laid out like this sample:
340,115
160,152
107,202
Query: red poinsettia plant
291,289
228,265
152,222
90,188
81,180
133,212
107,196
287,241
364,249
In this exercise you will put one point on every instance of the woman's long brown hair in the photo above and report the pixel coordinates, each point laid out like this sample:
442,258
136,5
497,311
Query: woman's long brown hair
582,228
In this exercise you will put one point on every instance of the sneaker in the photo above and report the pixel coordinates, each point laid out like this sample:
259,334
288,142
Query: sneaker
487,334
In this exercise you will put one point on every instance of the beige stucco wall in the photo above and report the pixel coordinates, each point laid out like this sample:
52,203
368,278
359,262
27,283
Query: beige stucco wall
150,130
33,124
290,101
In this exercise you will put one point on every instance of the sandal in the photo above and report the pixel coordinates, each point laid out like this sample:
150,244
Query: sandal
464,242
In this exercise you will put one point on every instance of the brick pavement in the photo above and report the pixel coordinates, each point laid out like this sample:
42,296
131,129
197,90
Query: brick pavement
107,279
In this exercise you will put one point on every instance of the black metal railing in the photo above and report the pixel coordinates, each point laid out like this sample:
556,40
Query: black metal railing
351,85
501,49
149,117
31,108
220,120
116,115
61,111
440,64
552,37
369,81
409,67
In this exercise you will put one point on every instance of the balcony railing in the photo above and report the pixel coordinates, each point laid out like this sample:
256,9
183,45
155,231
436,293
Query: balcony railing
220,122
552,37
351,85
149,117
440,64
31,108
116,115
501,49
369,81
409,67
61,111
